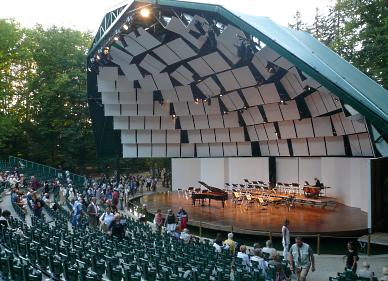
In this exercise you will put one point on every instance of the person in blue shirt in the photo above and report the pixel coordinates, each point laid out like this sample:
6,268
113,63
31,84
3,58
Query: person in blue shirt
77,212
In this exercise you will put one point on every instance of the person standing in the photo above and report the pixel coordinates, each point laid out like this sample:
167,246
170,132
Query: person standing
182,218
301,259
351,257
170,222
77,212
285,238
158,220
92,212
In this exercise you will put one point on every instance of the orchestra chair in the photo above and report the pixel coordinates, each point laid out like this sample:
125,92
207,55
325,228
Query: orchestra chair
287,188
180,191
227,186
249,200
237,198
235,185
189,191
280,187
296,187
262,203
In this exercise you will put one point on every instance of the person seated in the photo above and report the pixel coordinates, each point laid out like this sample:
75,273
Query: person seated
269,250
217,243
280,275
230,243
244,257
185,236
365,271
317,183
116,228
4,218
257,257
385,274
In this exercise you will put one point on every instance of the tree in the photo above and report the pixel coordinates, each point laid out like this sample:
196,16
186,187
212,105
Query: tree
298,23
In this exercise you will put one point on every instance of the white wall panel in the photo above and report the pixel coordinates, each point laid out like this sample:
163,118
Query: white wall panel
222,135
185,172
355,145
143,136
322,126
208,135
201,122
120,123
309,168
158,136
186,122
273,148
283,148
152,122
287,129
129,150
304,128
252,96
335,146
112,110
264,149
237,134
202,150
366,146
244,76
252,168
230,149
269,93
158,150
317,146
216,121
144,150
290,110
174,136
128,136
187,150
136,122
272,111
244,149
212,172
167,123
299,147
173,150
287,169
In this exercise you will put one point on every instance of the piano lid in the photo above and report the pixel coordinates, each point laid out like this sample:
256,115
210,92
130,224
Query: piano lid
212,188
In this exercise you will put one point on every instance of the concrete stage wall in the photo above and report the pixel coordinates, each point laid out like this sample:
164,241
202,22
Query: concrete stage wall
349,178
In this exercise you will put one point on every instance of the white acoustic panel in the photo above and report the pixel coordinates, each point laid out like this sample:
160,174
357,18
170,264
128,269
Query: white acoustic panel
152,65
181,48
148,84
173,150
222,135
244,77
202,150
322,126
119,56
335,146
299,147
338,127
292,85
236,100
272,111
287,130
261,67
213,107
271,131
256,115
112,110
230,149
329,102
176,25
347,124
231,120
120,123
187,150
201,122
283,63
216,150
182,75
261,132
129,150
216,62
273,148
216,121
184,93
290,110
105,85
161,109
181,108
304,128
359,125
145,38
145,97
212,86
319,104
244,149
355,145
128,136
194,136
283,148
124,85
252,133
162,81
186,122
131,71
311,106
264,149
208,135
143,136
136,122
133,46
248,120
366,146
144,150
170,96
158,136
201,67
129,109
228,81
266,55
152,122
158,150
166,54
237,134
128,97
174,136
167,123
145,109
252,96
317,146
227,101
269,93
110,98
196,108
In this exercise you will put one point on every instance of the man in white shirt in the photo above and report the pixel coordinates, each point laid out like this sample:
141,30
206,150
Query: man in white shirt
185,236
285,238
244,257
301,259
365,271
268,249
263,265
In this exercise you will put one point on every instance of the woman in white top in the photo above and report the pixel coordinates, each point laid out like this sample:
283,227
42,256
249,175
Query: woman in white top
106,219
244,257
285,238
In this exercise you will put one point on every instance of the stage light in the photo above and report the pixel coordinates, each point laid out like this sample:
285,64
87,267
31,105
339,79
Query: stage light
116,38
220,95
145,13
125,26
98,57
173,116
196,101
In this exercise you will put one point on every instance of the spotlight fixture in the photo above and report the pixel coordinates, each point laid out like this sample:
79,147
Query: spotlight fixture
196,101
125,26
116,38
145,13
220,95
98,57
173,116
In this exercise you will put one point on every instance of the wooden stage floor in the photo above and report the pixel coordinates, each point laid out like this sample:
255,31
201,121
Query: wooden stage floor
261,220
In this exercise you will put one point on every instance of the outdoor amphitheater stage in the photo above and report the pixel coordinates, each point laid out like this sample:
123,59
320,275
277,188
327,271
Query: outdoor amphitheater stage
339,220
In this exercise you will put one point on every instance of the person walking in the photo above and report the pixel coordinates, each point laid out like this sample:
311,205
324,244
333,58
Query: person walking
92,212
301,259
351,257
285,238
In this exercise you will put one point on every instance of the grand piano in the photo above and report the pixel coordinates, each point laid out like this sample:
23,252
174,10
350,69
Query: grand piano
213,193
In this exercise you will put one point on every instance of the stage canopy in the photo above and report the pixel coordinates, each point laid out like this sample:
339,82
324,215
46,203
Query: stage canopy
183,79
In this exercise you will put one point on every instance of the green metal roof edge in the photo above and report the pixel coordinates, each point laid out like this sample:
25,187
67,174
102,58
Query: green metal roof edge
376,115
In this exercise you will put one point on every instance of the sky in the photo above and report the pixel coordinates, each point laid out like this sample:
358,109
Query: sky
86,15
